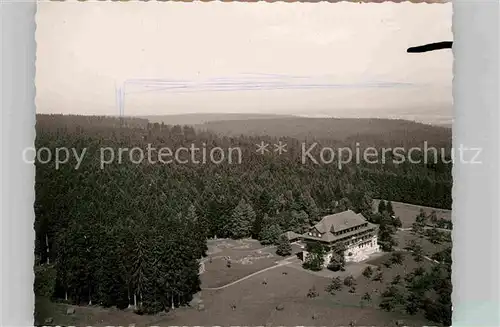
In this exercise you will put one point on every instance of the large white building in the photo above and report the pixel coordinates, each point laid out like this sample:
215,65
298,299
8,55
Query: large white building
353,231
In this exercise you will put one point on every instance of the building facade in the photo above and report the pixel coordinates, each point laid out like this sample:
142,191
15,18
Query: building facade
346,229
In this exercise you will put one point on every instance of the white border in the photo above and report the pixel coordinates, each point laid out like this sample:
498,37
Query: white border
476,191
475,210
17,178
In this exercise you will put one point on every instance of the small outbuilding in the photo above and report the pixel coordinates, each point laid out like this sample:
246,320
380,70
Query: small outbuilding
292,236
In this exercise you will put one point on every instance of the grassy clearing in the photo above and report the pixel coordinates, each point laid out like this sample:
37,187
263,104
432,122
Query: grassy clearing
247,257
255,304
217,274
403,237
87,316
374,287
407,212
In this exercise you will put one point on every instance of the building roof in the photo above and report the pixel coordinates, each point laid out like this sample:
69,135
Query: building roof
340,221
337,222
291,235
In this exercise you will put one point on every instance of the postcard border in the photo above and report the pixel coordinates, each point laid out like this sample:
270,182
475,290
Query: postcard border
476,187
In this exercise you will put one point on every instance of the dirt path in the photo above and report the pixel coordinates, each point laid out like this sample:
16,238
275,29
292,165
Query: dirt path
282,263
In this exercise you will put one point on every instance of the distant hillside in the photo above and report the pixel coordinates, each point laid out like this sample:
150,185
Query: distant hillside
71,121
196,119
374,131
341,131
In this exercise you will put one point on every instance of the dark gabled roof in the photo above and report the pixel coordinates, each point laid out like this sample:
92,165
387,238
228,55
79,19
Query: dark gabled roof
337,222
340,221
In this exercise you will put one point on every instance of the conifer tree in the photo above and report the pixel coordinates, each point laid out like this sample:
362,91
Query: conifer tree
284,247
308,204
269,234
196,229
386,233
382,207
241,220
298,221
389,208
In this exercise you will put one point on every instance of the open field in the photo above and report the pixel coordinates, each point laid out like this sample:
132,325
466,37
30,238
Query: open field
407,212
246,256
218,247
88,316
255,303
217,274
375,288
403,237
252,301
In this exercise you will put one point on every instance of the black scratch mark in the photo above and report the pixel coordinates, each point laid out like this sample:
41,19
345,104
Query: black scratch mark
431,47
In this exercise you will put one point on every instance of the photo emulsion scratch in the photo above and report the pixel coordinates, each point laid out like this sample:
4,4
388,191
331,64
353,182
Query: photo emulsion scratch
257,164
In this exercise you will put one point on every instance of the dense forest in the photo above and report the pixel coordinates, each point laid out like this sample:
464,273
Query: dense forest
132,234
366,131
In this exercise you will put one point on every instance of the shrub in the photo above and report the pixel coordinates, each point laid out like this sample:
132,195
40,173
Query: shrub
397,258
284,247
314,262
368,272
419,271
349,281
337,261
397,222
366,297
392,298
418,257
335,285
396,280
435,236
312,293
379,277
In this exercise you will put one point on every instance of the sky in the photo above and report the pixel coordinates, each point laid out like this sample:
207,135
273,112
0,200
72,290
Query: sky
318,59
